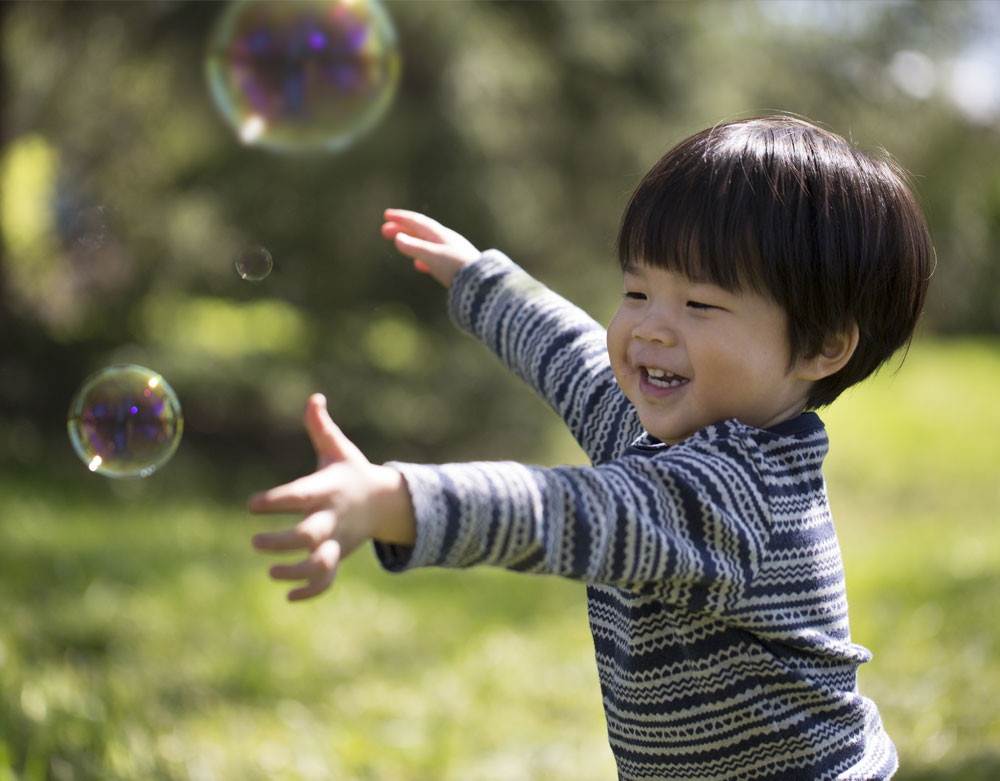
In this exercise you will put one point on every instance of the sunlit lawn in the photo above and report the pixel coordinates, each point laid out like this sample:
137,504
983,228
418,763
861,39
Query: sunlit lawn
140,638
914,477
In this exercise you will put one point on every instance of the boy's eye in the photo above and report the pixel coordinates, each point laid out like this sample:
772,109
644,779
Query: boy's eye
635,296
700,305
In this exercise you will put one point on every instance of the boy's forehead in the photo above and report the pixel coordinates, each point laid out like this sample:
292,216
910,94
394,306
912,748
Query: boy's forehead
649,273
644,268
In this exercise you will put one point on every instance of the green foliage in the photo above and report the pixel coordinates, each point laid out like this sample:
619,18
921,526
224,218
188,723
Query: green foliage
524,125
142,639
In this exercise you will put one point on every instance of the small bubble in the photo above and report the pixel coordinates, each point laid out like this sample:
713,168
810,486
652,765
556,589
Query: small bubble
89,229
254,264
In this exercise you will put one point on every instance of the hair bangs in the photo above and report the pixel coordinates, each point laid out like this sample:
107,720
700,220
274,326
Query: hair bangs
702,226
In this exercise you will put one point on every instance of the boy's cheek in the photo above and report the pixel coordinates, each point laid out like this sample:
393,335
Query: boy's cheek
617,343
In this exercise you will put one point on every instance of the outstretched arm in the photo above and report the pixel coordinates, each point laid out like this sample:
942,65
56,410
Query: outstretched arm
344,503
545,340
684,522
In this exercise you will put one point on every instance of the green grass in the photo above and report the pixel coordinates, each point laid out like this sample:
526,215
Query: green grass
914,479
141,639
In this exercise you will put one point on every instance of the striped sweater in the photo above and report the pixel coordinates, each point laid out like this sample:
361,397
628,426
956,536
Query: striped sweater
715,585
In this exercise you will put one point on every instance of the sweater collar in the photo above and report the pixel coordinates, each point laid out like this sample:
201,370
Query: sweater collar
799,425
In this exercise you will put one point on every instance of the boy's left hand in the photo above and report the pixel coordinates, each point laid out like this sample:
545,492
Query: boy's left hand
435,249
345,502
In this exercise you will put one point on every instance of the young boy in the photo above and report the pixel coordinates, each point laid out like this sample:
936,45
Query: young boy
768,266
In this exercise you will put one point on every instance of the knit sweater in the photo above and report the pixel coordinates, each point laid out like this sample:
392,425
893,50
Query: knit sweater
714,579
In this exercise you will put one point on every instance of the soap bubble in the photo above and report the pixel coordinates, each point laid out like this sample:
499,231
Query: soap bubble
125,421
254,263
89,228
81,223
303,75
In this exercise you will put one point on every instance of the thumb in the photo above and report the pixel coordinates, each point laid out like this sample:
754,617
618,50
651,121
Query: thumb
327,439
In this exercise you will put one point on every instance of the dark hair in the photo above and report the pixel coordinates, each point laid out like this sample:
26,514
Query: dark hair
788,210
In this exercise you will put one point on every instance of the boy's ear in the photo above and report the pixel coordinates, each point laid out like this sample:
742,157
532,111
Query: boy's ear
836,351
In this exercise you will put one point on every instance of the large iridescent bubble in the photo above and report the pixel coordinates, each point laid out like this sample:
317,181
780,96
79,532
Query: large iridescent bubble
303,75
125,421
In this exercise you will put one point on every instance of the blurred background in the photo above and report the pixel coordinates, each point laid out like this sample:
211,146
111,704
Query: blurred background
139,637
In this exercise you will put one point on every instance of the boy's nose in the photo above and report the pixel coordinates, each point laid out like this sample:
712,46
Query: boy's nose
655,327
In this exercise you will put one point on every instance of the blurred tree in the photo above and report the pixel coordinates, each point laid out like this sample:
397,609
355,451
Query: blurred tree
524,125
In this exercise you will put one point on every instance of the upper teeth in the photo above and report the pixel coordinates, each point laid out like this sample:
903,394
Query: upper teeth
663,378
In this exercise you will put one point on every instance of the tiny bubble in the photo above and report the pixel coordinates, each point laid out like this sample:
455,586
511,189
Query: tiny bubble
254,264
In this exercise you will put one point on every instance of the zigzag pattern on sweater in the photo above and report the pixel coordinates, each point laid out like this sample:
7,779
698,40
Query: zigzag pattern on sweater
715,586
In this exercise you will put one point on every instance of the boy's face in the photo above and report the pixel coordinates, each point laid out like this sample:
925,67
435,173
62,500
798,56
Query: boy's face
688,354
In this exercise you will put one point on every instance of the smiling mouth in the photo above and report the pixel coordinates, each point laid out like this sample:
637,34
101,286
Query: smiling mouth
661,378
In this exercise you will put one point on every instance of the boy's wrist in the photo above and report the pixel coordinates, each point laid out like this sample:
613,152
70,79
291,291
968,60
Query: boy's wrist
394,521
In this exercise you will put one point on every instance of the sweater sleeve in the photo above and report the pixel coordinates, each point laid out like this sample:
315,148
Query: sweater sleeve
552,345
683,522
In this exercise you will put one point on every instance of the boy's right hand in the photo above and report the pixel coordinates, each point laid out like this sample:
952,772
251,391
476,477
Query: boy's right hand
345,502
435,249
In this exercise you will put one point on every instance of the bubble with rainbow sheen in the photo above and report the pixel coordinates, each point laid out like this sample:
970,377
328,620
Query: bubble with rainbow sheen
254,264
303,75
125,421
